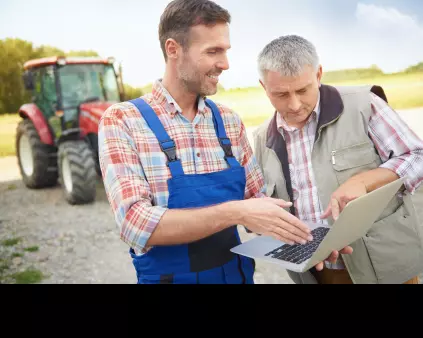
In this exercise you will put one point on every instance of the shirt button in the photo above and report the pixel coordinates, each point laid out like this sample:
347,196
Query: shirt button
198,155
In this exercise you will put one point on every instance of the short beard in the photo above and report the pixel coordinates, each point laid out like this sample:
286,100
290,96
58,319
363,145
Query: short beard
190,78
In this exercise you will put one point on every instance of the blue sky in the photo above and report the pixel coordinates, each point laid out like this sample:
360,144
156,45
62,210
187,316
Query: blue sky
347,33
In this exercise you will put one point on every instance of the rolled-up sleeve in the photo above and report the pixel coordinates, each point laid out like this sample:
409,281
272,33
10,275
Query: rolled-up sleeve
399,147
124,180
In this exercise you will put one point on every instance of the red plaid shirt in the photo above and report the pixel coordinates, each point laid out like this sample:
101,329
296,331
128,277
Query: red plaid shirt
134,167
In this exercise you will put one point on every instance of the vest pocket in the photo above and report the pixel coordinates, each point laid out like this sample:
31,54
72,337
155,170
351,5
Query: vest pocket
352,160
393,244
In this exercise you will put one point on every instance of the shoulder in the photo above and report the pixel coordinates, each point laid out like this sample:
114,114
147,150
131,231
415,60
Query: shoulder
122,112
365,93
260,133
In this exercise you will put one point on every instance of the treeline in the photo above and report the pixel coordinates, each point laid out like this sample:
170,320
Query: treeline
13,54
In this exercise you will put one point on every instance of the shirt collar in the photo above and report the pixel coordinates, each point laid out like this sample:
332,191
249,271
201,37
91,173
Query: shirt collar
163,98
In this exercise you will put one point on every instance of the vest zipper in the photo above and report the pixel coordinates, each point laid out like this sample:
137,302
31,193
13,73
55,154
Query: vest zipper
325,125
333,157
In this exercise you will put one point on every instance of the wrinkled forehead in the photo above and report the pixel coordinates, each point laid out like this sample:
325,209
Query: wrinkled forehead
276,82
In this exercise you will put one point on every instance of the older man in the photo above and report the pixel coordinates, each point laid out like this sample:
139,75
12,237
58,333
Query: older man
326,146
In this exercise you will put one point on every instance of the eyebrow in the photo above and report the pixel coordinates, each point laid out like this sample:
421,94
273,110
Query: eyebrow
218,48
285,92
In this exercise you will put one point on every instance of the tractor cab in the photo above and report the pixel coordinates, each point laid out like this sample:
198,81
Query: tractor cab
57,138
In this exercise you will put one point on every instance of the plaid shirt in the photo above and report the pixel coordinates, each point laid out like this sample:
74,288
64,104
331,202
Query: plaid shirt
134,167
398,146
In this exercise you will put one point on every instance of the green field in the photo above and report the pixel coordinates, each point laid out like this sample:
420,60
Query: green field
403,91
8,125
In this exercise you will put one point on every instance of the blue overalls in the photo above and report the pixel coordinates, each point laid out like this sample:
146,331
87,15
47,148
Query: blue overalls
209,260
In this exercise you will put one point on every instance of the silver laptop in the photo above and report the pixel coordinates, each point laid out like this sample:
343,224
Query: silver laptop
353,223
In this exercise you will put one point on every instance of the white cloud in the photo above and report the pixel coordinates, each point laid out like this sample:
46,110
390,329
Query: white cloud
394,39
387,18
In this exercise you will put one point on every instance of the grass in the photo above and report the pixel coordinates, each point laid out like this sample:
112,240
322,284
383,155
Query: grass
29,276
32,248
4,266
16,254
10,241
8,272
8,124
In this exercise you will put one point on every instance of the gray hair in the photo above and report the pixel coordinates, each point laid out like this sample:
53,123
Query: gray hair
287,55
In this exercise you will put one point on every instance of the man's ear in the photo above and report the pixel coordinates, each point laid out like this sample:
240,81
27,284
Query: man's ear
319,75
172,48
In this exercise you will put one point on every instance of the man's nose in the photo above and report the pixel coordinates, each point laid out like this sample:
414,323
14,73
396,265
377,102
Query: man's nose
294,103
223,64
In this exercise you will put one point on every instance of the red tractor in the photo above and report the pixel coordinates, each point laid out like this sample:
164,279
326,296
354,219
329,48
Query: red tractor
57,138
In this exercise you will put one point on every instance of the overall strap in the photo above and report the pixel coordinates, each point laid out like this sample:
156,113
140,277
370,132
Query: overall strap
167,145
224,141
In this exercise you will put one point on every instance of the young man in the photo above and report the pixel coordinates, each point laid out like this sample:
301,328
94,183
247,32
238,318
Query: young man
326,146
178,169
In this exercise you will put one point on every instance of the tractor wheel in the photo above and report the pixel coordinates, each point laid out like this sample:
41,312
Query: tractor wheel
37,161
77,172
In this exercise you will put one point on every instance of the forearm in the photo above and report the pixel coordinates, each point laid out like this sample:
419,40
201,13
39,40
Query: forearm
181,226
376,178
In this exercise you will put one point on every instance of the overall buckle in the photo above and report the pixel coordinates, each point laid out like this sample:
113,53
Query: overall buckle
227,147
170,152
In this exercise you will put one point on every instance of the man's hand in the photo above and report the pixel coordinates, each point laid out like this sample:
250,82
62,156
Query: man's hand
266,216
333,257
350,190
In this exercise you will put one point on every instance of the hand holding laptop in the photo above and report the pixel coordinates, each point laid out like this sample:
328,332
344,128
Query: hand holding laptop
347,192
356,187
266,217
354,222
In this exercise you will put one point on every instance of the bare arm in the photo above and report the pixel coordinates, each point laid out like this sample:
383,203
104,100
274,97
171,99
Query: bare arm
375,178
263,216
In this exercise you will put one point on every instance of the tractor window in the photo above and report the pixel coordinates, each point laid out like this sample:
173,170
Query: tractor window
36,75
45,90
82,82
49,98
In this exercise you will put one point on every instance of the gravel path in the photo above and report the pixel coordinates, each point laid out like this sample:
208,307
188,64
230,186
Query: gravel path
79,244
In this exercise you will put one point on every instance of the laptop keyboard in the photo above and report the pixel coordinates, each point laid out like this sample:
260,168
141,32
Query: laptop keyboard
299,253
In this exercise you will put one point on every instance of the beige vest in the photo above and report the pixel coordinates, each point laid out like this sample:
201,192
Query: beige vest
392,251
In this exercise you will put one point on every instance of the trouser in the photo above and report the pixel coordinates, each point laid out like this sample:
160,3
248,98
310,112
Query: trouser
333,276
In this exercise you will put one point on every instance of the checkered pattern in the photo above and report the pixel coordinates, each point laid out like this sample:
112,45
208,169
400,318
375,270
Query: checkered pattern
134,167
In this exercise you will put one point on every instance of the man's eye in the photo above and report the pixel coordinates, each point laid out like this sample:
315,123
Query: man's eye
302,91
211,52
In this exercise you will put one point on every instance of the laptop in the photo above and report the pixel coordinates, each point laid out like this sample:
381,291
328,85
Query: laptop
354,222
